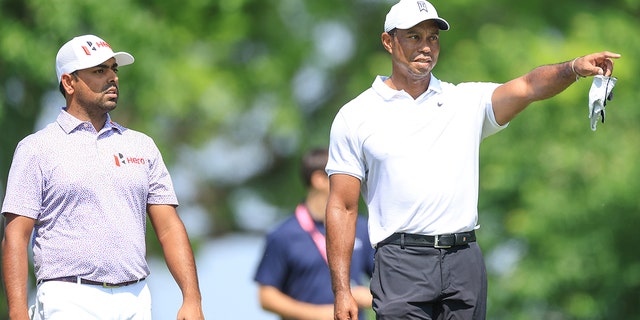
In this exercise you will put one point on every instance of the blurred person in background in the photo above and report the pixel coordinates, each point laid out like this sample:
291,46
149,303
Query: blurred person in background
410,145
293,276
80,190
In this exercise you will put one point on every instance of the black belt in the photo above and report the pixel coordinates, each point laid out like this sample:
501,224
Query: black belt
91,282
440,241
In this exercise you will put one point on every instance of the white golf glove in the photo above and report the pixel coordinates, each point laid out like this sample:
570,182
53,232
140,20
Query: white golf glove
601,91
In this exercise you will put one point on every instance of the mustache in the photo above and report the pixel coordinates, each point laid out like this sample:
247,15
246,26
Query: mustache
109,87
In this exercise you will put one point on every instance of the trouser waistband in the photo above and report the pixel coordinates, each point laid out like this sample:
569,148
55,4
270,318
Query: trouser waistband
440,241
91,282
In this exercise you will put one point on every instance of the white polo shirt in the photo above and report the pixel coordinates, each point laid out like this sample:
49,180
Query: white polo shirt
88,193
418,160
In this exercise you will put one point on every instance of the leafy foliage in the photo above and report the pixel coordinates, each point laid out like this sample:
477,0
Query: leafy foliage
258,82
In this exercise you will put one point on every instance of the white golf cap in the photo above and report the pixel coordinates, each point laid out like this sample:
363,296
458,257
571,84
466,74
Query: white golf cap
408,13
87,51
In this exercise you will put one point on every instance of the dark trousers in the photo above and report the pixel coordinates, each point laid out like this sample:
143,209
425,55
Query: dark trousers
429,284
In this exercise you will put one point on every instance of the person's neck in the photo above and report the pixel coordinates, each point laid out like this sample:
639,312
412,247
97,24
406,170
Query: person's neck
97,120
414,87
316,205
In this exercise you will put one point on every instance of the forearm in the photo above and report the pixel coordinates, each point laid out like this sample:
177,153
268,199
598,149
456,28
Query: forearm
540,83
15,275
341,217
341,228
547,81
176,247
273,300
180,261
363,296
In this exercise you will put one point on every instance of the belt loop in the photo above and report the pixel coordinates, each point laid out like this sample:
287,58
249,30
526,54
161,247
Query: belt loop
402,241
78,280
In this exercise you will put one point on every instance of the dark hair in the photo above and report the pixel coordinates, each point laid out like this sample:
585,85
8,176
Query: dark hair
314,160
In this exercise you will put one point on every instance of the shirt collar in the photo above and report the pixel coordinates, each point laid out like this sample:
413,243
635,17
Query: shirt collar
69,123
388,93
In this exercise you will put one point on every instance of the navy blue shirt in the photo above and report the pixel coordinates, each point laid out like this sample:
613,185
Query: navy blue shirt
292,263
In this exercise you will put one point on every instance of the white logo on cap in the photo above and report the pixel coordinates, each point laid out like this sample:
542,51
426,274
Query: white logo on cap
422,6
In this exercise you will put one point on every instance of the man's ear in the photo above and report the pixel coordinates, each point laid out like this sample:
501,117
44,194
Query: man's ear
387,40
68,82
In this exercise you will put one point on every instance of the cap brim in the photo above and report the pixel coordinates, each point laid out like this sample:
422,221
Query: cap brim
123,58
443,24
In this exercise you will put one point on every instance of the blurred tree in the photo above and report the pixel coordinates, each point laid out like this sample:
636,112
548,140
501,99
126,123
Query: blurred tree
234,91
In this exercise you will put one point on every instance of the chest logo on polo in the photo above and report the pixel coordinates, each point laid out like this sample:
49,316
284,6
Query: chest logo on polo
121,160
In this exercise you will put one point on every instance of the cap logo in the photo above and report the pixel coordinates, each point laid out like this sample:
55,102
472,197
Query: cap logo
422,6
92,47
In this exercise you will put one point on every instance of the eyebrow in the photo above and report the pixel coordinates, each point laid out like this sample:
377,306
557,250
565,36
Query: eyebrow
104,66
415,31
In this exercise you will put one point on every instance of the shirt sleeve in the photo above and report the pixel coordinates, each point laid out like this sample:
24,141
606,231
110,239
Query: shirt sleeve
161,189
272,269
25,182
490,125
345,156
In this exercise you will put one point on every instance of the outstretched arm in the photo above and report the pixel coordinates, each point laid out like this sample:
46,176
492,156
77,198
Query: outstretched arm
179,257
341,217
545,82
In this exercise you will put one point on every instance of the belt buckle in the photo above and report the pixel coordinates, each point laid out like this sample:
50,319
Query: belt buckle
437,245
109,285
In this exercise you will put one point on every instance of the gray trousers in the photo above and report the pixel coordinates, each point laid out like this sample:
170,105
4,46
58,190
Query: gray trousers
429,284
